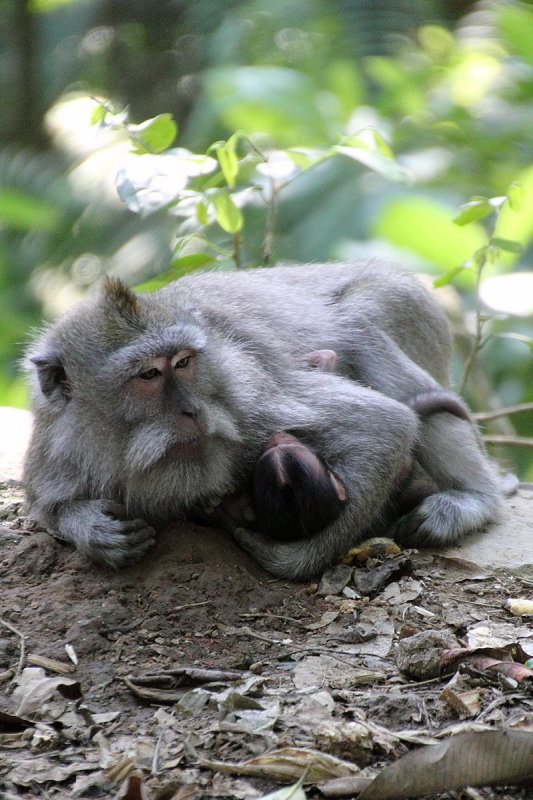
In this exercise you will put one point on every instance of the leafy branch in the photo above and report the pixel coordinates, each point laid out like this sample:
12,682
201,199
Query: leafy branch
209,192
476,209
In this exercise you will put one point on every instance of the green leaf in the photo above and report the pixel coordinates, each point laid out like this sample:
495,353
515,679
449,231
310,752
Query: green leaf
509,245
436,41
98,114
305,158
448,277
179,266
24,212
516,222
375,161
424,226
228,216
481,256
201,212
153,135
474,210
492,255
518,337
192,261
516,25
369,139
516,195
344,81
43,6
228,160
278,101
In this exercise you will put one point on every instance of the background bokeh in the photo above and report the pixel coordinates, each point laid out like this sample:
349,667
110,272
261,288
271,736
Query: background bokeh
449,85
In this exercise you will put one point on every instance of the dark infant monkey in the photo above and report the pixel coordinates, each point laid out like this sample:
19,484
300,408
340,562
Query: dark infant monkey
148,406
294,493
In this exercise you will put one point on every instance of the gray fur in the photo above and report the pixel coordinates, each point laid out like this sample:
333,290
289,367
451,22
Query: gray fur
102,459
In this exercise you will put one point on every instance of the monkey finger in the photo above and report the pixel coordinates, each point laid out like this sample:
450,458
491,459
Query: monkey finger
113,509
119,558
129,525
138,537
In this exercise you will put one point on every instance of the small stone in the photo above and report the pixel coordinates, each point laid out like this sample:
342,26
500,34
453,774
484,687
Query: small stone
335,579
418,656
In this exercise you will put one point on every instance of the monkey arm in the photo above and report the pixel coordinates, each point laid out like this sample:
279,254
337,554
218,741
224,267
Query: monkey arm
374,358
60,497
367,438
466,491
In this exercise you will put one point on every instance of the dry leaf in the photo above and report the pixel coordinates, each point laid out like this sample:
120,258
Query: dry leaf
488,758
35,689
294,792
465,704
287,764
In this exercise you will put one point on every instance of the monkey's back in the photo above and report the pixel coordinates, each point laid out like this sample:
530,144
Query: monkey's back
315,306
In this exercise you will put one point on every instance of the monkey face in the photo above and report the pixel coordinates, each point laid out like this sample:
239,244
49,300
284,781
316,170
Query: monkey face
165,388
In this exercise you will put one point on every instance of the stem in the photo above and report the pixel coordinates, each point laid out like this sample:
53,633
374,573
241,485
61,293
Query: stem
272,212
237,242
515,441
484,416
478,342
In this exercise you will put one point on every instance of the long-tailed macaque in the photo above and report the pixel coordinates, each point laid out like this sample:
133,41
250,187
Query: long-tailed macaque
148,406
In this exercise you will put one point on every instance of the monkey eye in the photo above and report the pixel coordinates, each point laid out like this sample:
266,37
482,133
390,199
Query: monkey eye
181,362
149,374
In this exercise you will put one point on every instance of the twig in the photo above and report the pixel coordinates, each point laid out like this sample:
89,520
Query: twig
484,416
272,211
154,770
478,340
514,441
22,639
185,606
237,241
262,615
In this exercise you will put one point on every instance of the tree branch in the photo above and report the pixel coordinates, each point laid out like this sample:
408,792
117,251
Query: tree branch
514,441
483,416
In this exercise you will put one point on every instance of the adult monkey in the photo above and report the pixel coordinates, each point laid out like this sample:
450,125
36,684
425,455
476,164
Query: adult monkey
149,405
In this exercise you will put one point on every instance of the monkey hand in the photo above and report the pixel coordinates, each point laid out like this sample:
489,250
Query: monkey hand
227,512
101,530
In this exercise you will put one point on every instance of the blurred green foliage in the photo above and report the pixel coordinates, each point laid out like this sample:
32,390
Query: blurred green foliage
328,86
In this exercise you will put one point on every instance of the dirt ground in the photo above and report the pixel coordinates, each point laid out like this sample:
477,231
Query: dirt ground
197,675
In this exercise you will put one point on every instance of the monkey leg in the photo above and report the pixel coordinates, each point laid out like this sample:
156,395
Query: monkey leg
374,358
467,491
101,530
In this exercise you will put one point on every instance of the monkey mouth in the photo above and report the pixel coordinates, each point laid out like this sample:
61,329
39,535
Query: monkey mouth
190,446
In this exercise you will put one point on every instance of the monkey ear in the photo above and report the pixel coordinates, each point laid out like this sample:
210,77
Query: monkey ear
52,376
121,300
